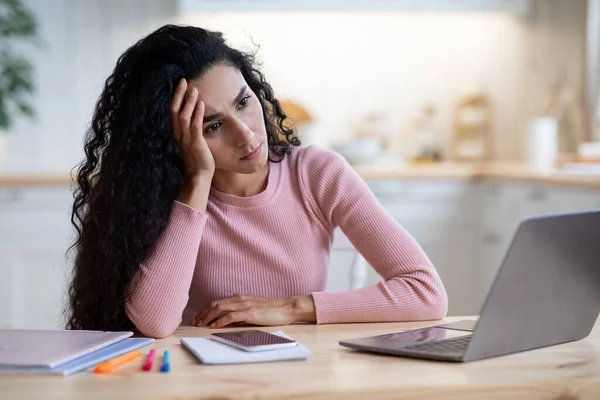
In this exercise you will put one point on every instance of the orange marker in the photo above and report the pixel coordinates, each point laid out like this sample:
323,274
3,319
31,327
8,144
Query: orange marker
110,364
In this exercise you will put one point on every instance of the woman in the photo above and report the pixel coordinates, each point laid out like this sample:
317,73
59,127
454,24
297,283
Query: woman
194,205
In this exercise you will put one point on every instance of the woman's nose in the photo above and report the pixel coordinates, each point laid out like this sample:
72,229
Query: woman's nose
243,134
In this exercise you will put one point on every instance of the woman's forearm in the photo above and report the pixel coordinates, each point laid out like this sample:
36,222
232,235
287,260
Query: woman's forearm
194,192
160,289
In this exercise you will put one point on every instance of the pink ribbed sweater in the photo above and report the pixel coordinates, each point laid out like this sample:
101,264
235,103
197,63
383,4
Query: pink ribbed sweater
277,244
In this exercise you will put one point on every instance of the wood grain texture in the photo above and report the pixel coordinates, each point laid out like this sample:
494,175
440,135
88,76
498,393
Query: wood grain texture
568,371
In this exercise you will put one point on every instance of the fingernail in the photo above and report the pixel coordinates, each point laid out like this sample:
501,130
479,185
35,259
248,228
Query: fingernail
181,81
200,323
212,325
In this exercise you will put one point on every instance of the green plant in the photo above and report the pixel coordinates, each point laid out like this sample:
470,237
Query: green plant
17,26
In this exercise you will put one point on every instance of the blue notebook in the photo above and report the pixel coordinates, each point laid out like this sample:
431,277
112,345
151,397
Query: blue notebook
79,364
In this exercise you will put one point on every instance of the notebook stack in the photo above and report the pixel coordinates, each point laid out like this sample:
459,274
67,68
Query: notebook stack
62,352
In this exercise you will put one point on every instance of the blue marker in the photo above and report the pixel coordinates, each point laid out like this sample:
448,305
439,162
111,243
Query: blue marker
166,367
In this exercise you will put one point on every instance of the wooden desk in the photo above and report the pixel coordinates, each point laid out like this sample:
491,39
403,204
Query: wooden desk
569,371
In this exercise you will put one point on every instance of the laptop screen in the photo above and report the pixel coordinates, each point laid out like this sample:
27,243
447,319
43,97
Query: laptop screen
423,335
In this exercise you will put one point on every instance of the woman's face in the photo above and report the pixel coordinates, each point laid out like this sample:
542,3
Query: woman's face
233,127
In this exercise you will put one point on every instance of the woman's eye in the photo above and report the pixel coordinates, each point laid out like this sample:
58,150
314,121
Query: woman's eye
213,127
244,102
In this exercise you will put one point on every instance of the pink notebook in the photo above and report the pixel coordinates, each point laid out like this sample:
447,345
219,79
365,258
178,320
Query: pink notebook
29,347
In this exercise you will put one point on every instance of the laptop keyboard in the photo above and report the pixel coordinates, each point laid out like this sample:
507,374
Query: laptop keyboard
446,346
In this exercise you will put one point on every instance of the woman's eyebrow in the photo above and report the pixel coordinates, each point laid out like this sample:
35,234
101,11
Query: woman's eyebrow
237,99
239,95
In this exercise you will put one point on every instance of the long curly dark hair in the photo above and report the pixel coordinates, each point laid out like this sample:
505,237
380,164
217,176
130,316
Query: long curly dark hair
133,171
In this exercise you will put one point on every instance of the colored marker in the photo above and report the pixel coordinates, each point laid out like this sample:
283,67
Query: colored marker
166,362
149,361
110,364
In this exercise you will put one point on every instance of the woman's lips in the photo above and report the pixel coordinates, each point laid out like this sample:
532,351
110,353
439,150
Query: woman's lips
255,153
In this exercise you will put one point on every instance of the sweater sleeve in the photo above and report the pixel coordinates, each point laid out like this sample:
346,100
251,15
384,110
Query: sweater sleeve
411,288
160,289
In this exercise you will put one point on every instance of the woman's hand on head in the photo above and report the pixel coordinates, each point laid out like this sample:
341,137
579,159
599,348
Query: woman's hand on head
187,113
257,311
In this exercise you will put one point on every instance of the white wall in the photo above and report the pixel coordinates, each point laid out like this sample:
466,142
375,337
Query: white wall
340,66
344,65
83,39
556,44
593,66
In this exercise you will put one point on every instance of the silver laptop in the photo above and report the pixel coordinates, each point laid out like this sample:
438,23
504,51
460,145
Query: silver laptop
546,292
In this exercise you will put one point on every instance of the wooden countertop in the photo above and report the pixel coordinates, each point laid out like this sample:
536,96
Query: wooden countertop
496,171
567,371
384,171
35,180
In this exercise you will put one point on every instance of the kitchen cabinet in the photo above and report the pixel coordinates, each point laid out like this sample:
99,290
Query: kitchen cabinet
338,274
501,216
35,233
8,299
464,226
444,217
507,204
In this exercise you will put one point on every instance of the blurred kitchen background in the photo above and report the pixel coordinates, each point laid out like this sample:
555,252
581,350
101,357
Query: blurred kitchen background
463,116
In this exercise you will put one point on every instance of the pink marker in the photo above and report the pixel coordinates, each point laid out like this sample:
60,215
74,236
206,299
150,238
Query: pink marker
148,365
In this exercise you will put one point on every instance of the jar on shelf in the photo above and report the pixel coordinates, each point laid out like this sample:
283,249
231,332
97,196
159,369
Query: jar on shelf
472,140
